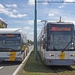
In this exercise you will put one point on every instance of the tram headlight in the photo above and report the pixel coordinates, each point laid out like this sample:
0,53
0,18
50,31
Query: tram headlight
73,55
51,55
72,43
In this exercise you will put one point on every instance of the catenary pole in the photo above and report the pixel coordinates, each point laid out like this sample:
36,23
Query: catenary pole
35,31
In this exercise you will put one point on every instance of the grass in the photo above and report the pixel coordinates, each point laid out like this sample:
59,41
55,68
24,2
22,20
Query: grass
35,67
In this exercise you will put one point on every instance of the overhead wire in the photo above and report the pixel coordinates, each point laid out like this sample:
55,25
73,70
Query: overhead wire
47,13
70,15
48,10
50,7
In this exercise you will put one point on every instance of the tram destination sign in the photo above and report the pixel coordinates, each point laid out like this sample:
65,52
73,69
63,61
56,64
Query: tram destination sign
60,29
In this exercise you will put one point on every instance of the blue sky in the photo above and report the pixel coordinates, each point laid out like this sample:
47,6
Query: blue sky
20,13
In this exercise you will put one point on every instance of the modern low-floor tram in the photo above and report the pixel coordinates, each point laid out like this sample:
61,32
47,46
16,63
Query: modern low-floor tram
56,43
13,44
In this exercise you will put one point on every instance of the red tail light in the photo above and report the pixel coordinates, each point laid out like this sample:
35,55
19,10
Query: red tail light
74,61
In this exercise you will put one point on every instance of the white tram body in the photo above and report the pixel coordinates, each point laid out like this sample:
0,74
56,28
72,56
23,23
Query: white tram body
56,43
13,44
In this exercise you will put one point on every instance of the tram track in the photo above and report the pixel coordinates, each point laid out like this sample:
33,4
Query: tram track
67,70
71,70
55,71
62,70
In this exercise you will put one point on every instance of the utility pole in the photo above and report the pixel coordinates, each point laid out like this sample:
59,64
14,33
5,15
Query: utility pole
35,31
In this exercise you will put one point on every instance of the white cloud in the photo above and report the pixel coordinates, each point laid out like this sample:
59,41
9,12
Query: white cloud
45,3
31,22
61,6
20,15
31,33
1,6
31,2
52,12
14,11
38,29
11,5
26,28
38,20
5,11
51,15
69,0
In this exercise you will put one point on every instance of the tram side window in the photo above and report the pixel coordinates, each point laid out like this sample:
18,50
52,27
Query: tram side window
44,44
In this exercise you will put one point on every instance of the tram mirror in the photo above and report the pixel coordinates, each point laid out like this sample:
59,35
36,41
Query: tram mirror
23,47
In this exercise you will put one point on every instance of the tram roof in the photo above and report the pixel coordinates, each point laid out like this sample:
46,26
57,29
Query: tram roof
59,23
10,30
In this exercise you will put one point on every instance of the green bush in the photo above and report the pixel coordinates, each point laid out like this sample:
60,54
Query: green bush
1,26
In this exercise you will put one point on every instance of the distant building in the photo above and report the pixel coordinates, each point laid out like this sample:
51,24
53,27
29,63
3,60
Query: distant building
3,23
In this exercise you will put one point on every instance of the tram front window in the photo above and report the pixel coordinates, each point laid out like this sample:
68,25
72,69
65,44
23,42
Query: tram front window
59,41
12,43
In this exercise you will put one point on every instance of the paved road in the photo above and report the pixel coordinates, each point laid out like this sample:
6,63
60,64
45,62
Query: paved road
30,47
8,68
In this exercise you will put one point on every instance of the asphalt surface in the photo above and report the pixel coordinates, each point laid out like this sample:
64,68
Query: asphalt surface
8,68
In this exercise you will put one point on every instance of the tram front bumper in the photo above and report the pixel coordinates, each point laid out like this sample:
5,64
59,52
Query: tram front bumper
8,59
59,62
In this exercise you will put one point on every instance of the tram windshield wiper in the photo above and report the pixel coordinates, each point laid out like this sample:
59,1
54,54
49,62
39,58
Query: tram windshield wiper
67,44
54,48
